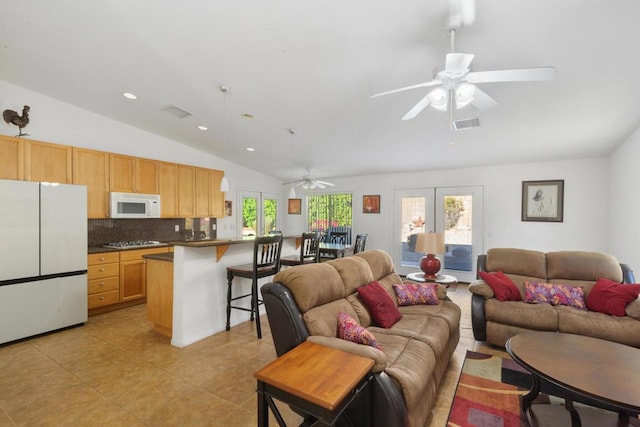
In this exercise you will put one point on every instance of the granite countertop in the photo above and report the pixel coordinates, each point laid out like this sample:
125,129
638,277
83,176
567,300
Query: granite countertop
166,256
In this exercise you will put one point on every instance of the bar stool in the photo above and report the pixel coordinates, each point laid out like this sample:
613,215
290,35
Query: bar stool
266,262
309,251
361,240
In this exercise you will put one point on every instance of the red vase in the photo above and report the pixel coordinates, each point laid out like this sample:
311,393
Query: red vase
430,265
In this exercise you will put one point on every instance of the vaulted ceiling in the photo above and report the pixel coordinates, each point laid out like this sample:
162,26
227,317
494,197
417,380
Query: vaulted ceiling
313,65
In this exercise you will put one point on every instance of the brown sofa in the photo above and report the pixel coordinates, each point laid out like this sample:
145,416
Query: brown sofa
496,321
303,303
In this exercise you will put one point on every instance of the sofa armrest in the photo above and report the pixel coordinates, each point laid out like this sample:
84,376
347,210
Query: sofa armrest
480,287
378,357
478,318
633,309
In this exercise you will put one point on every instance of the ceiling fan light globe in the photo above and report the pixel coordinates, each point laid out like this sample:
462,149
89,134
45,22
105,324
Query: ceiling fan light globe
439,99
465,93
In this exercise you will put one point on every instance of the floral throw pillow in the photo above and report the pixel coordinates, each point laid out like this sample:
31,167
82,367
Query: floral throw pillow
554,294
350,330
416,293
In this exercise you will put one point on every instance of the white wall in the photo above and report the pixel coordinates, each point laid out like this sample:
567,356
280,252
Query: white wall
585,209
624,203
62,123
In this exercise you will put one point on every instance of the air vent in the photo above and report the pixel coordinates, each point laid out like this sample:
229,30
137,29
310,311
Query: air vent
178,112
466,123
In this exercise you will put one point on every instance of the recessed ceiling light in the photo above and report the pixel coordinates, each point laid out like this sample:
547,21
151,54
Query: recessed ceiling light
247,116
202,127
250,149
129,95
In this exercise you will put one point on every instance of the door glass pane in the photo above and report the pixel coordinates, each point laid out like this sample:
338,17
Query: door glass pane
249,217
458,232
412,216
270,215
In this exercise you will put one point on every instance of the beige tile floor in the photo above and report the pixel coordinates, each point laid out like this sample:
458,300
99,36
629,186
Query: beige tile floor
115,371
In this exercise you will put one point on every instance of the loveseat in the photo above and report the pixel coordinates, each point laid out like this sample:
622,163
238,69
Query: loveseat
496,321
304,302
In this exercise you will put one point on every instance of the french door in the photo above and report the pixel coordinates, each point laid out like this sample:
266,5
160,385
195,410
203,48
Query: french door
259,213
454,211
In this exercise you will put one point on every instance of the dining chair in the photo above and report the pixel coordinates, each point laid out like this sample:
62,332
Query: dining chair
361,240
309,251
266,262
339,237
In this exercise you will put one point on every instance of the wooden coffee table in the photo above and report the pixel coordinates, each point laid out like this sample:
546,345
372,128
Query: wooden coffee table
604,372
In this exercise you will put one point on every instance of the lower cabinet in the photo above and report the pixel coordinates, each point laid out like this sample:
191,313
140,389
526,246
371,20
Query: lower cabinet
133,283
103,279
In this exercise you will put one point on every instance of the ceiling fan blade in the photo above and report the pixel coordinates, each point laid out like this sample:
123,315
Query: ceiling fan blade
515,75
421,105
329,184
458,63
482,101
425,84
320,185
300,183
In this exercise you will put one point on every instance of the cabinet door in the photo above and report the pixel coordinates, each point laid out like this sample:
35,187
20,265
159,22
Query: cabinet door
168,187
146,176
132,280
121,177
11,158
202,192
47,162
186,191
91,168
216,208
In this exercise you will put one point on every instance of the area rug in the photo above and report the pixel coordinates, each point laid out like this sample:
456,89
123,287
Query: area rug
488,393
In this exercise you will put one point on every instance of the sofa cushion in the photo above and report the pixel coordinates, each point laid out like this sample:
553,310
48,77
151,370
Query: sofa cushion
522,262
353,271
350,330
502,286
624,330
579,265
321,320
611,297
382,308
554,294
298,278
416,293
633,309
531,316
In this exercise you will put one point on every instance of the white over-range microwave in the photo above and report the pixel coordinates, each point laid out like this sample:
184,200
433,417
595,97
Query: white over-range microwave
134,205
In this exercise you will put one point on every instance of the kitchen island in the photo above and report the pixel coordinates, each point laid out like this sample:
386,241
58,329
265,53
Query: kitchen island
199,279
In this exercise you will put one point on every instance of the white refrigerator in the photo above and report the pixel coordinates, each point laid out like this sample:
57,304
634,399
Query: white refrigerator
43,257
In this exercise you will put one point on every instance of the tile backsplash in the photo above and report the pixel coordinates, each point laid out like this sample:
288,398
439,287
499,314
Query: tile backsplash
103,231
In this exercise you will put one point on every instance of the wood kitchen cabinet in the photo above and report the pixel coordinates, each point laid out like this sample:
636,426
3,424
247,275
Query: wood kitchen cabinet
160,295
91,168
216,207
133,273
133,174
11,158
47,162
168,187
202,192
186,191
103,279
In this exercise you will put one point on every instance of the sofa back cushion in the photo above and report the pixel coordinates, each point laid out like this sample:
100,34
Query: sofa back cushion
582,266
517,262
312,285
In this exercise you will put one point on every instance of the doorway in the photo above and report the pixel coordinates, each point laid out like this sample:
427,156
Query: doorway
259,213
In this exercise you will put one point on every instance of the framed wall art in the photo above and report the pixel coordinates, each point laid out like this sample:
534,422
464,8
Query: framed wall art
371,204
295,206
228,208
543,200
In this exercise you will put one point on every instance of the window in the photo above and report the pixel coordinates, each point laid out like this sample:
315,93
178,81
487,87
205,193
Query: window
329,210
259,213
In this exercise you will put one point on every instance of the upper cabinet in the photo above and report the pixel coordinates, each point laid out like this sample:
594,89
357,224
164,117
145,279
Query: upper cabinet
168,186
202,192
186,191
216,206
91,168
47,162
133,174
11,158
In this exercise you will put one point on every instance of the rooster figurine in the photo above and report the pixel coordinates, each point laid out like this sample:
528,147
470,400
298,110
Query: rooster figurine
11,116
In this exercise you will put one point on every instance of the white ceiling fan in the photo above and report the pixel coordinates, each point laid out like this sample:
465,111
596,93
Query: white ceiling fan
455,85
309,183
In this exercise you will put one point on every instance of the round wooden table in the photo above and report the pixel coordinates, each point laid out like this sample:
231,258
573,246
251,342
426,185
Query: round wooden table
604,372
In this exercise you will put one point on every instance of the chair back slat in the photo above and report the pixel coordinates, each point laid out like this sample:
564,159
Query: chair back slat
266,252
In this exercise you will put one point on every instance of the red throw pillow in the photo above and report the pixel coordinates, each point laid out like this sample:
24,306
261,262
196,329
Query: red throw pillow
611,297
380,305
503,287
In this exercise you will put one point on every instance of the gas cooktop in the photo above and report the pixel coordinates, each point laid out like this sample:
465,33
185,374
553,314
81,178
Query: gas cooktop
133,244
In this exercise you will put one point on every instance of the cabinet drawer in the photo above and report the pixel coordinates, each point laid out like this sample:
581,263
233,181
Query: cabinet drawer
103,270
103,298
103,258
102,285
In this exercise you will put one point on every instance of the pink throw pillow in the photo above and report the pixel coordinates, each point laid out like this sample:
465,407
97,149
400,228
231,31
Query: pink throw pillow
554,294
350,330
416,293
502,286
611,297
382,308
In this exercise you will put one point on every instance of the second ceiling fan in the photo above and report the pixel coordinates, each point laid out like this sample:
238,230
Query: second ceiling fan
455,85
